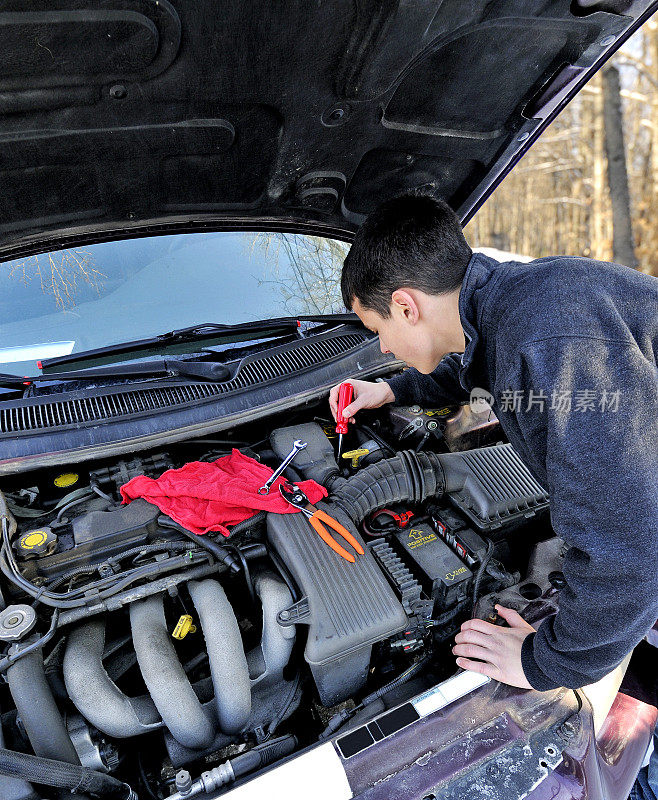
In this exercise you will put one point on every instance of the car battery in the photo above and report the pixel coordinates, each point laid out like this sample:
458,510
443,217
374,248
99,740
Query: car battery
444,576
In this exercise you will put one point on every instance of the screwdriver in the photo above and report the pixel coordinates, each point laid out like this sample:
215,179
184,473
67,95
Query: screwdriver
345,395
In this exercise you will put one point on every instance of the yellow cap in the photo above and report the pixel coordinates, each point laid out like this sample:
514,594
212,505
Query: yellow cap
183,627
66,479
33,539
356,455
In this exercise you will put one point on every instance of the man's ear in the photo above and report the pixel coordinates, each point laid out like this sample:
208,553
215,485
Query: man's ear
404,302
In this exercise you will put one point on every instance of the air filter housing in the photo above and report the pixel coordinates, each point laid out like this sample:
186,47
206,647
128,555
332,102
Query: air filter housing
497,488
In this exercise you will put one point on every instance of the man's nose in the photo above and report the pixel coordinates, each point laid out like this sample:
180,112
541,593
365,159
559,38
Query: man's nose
383,348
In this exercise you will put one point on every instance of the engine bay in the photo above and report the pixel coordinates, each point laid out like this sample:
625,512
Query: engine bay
174,665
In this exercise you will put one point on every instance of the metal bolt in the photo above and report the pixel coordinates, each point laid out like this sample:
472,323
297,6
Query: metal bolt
432,425
567,730
607,41
523,137
284,614
118,91
183,781
13,621
493,770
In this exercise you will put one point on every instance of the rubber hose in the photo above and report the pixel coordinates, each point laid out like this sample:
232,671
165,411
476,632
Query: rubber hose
189,722
38,711
481,572
407,675
51,772
95,694
228,662
408,477
249,524
263,754
15,788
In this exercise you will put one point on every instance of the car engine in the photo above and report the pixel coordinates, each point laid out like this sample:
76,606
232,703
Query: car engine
149,655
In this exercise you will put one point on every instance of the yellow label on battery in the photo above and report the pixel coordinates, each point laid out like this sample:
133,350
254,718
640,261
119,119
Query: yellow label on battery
33,539
183,627
450,576
66,479
418,537
438,412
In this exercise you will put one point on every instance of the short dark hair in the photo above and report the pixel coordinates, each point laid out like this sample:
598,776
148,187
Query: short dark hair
413,240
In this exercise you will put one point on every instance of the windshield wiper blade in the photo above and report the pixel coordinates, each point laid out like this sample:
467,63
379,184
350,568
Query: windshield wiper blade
176,341
158,368
9,381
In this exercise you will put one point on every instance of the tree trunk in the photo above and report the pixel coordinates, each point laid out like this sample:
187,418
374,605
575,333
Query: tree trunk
623,249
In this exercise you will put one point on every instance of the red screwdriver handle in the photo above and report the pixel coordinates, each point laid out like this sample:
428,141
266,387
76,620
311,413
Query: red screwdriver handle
345,395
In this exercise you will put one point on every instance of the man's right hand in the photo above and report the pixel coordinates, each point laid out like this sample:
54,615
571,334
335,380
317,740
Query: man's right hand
366,395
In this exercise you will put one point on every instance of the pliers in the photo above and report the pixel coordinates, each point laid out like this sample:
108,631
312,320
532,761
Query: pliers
293,494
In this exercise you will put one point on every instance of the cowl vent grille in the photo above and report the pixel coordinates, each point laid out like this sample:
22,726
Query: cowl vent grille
31,415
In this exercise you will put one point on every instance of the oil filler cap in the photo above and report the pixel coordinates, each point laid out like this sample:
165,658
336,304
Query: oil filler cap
41,542
16,622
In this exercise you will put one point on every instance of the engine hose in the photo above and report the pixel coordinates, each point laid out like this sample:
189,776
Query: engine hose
38,711
408,477
449,615
51,772
407,675
229,771
481,571
221,553
257,521
9,524
15,788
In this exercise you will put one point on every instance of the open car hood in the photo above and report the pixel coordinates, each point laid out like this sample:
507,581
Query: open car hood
125,115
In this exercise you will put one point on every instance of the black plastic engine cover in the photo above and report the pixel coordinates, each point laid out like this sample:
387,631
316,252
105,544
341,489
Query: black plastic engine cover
348,607
98,535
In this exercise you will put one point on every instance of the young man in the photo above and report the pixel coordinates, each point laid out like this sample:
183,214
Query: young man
567,348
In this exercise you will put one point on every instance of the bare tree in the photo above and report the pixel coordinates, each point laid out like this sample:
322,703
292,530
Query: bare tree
559,199
306,270
60,273
623,248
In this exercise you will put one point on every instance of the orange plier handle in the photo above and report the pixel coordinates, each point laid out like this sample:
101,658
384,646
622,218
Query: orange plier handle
317,517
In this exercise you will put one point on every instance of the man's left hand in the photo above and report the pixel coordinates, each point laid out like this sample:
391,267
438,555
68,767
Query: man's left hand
498,648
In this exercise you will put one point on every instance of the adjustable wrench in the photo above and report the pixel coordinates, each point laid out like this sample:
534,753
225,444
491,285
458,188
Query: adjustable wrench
296,447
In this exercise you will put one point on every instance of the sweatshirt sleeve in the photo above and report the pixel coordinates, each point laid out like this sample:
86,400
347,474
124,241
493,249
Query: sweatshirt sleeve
601,458
439,388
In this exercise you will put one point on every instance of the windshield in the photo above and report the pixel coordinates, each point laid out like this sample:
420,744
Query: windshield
67,301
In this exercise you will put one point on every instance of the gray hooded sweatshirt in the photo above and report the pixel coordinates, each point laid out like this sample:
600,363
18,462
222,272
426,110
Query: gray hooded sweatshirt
567,347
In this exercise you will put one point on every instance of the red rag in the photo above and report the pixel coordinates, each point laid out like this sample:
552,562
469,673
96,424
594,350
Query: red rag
207,496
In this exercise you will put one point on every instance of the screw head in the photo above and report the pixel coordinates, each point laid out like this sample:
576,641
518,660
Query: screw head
118,91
